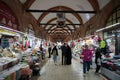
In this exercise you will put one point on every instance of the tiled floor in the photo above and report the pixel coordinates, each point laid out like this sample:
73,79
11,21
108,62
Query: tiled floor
50,71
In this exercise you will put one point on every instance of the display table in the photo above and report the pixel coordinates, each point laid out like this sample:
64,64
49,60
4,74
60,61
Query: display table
12,73
6,62
112,75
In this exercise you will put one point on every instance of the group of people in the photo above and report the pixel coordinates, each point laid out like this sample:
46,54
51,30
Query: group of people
66,53
87,56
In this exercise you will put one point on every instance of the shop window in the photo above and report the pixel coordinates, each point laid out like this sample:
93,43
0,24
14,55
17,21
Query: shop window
118,8
114,18
118,13
110,19
114,15
110,23
119,20
114,21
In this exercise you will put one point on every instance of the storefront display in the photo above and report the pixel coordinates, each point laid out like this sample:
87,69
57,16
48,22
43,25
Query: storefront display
112,37
111,67
12,48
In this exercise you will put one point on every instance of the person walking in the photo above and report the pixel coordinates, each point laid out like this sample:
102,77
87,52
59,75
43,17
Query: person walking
98,59
86,55
55,54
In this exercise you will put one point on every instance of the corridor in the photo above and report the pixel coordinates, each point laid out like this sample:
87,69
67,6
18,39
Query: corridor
50,71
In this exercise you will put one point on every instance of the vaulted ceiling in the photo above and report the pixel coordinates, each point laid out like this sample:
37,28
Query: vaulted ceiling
79,12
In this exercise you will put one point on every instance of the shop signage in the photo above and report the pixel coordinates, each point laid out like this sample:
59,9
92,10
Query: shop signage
7,17
6,32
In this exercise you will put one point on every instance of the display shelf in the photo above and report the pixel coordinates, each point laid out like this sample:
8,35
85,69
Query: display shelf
13,70
112,75
6,62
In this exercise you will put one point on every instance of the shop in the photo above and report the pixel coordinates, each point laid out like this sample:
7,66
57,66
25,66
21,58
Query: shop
112,37
11,56
18,57
111,61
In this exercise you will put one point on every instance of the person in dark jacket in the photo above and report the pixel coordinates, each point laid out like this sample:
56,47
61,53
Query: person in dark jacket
49,50
98,59
55,54
64,52
69,55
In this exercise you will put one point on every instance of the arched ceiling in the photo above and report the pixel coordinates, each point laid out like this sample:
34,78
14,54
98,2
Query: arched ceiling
81,12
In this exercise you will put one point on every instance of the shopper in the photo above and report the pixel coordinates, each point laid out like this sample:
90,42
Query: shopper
103,47
49,50
69,55
98,59
42,52
55,54
64,52
86,55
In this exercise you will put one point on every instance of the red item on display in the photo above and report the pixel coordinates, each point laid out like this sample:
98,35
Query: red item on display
73,44
27,44
22,47
26,71
99,39
78,40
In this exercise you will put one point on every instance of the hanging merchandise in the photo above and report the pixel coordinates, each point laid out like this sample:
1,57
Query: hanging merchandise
41,41
26,38
99,38
3,21
26,43
78,40
72,44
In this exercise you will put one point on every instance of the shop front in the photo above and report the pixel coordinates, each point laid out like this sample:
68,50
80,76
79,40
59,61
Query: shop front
111,61
112,37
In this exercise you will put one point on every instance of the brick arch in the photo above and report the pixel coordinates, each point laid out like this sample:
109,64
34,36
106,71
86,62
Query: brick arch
94,4
63,8
11,13
53,19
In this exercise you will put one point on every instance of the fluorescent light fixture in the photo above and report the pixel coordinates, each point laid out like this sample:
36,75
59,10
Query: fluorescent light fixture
107,27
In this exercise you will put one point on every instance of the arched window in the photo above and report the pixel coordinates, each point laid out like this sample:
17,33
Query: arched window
114,18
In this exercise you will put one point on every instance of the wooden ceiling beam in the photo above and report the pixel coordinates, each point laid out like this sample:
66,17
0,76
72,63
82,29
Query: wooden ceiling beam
28,3
95,5
55,11
63,8
55,29
55,24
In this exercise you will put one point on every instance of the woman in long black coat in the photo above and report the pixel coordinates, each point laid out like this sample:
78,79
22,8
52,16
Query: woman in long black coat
69,55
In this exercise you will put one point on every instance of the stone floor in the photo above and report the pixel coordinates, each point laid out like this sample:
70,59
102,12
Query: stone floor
50,71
